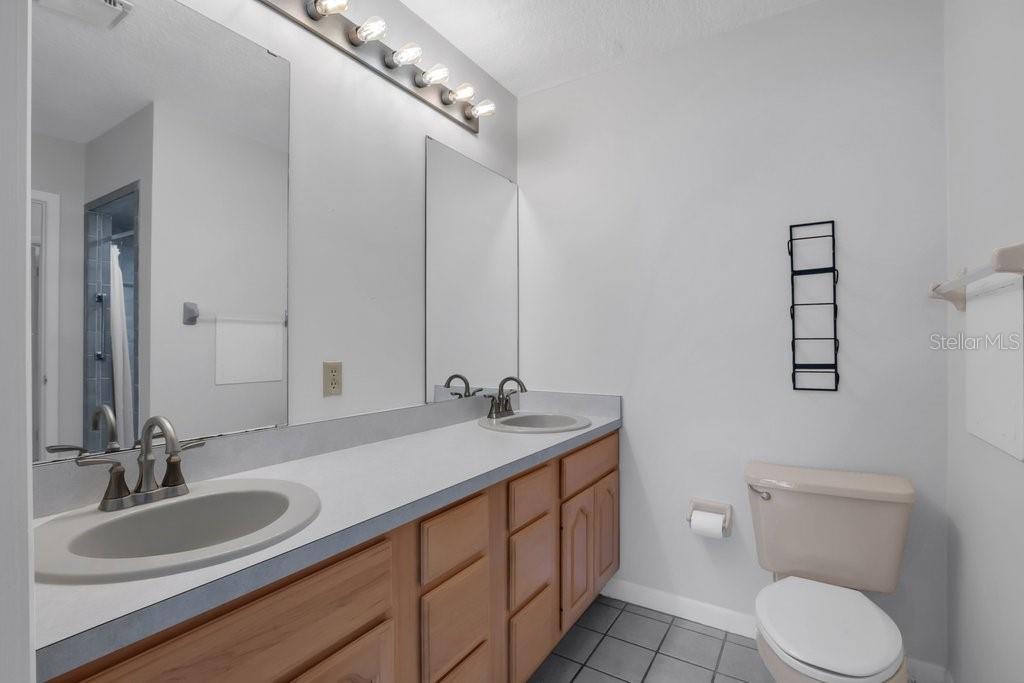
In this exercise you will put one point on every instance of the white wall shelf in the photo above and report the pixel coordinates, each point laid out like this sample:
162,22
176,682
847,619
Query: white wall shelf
1004,260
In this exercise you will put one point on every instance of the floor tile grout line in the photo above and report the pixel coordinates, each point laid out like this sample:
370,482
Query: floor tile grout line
603,636
718,662
658,651
671,624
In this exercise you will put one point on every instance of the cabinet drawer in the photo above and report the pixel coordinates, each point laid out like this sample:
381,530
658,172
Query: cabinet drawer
531,635
453,538
531,495
590,463
454,618
532,556
473,669
370,658
278,636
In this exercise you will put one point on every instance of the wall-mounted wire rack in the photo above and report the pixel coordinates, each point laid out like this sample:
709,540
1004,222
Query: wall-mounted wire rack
815,343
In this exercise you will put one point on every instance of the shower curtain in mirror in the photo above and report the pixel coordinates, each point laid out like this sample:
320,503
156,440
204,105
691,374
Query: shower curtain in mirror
120,356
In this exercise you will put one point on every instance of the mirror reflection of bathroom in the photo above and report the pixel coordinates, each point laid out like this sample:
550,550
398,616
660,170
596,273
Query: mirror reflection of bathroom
111,309
159,144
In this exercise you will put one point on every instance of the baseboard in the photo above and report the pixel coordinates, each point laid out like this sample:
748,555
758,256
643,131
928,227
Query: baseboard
926,672
687,608
733,621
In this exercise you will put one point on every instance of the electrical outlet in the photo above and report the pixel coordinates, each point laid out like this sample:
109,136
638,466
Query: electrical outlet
332,378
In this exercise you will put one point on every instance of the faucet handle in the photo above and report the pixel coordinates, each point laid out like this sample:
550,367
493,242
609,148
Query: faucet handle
173,475
117,487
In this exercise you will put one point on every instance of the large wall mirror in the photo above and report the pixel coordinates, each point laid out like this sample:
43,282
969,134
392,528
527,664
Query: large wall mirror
159,226
472,217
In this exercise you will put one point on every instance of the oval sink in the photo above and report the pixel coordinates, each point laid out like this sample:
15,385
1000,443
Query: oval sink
216,521
535,423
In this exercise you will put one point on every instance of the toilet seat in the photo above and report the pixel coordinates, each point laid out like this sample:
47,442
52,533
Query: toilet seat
829,633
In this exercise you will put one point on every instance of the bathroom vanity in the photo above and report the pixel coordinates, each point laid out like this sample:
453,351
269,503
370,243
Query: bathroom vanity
479,589
436,555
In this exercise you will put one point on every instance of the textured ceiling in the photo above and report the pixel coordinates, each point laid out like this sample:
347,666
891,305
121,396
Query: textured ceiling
86,80
531,45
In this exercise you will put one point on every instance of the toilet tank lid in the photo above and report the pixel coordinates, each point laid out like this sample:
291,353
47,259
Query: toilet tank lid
862,485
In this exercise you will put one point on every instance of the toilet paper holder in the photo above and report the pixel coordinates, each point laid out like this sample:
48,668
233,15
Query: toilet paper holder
714,507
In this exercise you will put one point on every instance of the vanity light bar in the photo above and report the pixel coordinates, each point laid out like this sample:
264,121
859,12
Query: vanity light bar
364,42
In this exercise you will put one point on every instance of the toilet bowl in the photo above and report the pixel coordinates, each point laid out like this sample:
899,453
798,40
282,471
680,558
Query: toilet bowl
812,631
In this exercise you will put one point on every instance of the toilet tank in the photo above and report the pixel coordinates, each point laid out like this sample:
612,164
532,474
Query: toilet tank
842,528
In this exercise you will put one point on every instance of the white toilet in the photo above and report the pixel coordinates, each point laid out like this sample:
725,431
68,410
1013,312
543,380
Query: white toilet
827,535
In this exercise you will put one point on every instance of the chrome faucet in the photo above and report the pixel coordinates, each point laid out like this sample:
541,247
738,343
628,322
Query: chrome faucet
147,463
106,414
501,405
117,495
468,391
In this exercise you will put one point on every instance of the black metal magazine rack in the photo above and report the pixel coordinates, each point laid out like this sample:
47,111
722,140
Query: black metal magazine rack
815,345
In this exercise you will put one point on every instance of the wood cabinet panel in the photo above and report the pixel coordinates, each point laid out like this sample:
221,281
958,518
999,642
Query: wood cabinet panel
590,463
532,560
475,668
577,556
370,659
532,495
453,538
532,634
454,620
277,636
606,529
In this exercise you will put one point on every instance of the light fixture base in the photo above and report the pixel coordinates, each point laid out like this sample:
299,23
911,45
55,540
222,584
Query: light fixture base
373,56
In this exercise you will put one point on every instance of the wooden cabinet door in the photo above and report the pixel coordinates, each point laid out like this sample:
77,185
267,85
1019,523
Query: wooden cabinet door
532,633
473,669
370,659
532,560
606,529
455,619
277,636
577,555
453,538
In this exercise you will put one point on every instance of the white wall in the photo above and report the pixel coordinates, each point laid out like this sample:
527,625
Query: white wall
58,166
654,265
472,271
220,239
985,104
16,651
356,205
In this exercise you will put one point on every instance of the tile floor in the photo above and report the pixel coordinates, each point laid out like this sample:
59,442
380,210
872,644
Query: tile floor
615,641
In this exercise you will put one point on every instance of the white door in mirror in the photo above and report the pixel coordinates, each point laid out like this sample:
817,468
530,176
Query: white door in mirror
217,521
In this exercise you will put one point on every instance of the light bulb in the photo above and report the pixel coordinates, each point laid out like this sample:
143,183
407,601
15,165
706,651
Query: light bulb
373,28
478,111
460,93
318,9
435,75
410,53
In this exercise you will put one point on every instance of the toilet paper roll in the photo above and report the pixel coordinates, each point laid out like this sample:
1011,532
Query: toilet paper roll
707,524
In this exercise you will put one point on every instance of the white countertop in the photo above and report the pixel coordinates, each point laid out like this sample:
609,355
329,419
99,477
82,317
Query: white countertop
355,485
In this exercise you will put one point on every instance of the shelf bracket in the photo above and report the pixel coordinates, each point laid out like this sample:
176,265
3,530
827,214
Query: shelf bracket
1004,260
